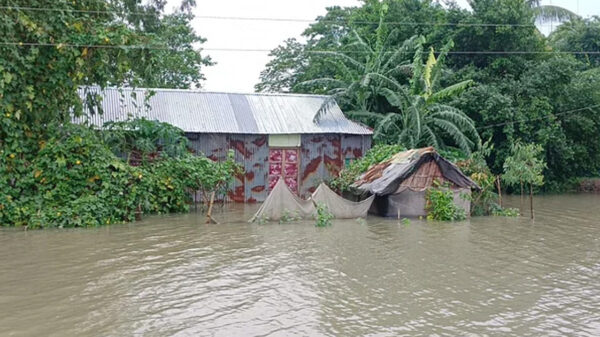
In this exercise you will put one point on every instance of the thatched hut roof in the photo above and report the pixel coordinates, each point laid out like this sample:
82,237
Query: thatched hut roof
415,169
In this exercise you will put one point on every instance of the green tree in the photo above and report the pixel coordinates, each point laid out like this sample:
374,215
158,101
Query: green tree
47,165
579,35
525,167
423,118
281,73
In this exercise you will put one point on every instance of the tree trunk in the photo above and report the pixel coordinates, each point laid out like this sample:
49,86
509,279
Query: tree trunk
521,205
209,218
531,199
499,191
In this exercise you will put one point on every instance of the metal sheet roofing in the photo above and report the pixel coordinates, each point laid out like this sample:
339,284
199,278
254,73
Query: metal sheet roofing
217,112
385,178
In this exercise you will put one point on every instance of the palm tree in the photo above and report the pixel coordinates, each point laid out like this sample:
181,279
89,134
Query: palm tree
549,13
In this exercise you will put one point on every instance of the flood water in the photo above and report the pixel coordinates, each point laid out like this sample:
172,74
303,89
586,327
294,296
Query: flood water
176,276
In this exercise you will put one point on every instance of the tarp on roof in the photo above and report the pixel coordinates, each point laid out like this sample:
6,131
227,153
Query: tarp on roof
342,208
386,177
196,111
282,200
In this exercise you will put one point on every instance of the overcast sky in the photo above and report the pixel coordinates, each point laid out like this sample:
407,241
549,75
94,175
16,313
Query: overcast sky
239,71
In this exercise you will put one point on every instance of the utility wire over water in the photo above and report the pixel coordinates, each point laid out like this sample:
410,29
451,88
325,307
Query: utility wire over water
174,275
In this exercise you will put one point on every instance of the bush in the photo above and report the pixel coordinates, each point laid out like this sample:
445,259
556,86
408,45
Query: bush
375,155
72,179
323,215
440,204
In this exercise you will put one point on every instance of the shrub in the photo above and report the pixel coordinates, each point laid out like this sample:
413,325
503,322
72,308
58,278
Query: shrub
440,204
323,215
375,155
71,180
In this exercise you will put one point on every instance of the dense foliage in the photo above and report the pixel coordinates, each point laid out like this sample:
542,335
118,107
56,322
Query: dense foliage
76,181
144,139
53,173
518,88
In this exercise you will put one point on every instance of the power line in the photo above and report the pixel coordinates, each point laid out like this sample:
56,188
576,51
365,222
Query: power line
272,19
154,47
536,119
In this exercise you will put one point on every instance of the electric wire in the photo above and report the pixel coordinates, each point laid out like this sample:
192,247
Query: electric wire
273,19
330,52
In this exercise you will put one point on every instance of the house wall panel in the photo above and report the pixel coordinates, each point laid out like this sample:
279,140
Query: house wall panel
321,158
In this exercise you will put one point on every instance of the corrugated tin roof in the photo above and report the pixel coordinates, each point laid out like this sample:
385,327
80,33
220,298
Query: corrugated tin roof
385,178
218,112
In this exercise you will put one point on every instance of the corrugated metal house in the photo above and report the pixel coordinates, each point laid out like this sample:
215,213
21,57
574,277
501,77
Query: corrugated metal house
273,135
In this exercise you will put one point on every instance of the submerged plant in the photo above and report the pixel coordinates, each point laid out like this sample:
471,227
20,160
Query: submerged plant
289,216
324,216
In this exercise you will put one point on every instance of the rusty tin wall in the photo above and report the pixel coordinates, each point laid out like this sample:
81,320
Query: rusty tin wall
321,158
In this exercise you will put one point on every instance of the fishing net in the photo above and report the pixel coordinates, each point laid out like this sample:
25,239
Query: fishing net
283,201
342,208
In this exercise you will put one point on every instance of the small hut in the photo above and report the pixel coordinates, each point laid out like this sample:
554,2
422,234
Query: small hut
400,183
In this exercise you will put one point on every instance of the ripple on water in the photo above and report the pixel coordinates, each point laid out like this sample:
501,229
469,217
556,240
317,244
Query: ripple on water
177,276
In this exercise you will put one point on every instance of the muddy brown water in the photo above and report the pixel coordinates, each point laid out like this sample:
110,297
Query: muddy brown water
176,276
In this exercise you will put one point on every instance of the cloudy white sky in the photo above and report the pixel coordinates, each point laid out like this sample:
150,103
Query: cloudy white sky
239,71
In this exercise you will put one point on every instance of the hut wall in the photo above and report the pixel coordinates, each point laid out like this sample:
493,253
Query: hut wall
321,158
407,203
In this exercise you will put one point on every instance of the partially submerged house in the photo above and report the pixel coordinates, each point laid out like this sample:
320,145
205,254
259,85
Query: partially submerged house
273,135
400,183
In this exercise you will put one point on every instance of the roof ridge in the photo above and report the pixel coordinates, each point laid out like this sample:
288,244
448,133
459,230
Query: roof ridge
285,94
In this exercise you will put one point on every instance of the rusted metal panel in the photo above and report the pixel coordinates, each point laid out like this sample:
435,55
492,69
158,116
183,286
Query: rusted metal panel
424,177
213,146
321,156
332,156
321,159
256,167
241,155
352,148
311,163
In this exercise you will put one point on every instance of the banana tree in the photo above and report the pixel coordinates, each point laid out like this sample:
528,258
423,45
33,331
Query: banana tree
422,118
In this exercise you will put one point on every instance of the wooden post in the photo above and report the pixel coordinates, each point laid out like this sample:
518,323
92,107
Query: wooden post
521,204
138,213
209,218
499,190
531,199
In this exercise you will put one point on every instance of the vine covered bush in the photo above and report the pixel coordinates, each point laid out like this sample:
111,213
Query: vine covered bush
357,167
144,139
73,179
